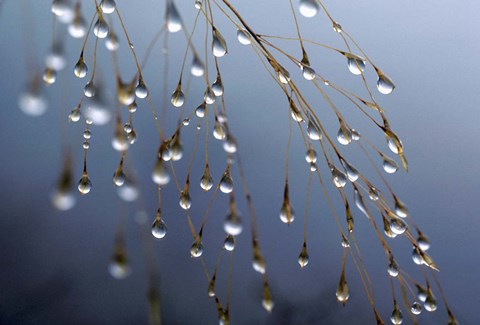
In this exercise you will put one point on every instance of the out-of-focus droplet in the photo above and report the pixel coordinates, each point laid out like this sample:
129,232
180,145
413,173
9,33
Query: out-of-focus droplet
243,37
233,223
342,289
219,131
173,19
219,45
209,96
197,69
129,191
32,102
78,27
308,8
119,267
400,208
303,258
359,202
160,174
230,144
337,27
185,200
373,193
423,242
392,267
217,86
111,43
258,263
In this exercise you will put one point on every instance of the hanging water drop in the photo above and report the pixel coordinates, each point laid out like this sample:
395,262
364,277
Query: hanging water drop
233,223
344,135
219,131
416,308
185,200
173,19
119,176
338,177
308,8
119,267
217,86
373,193
352,172
107,6
356,64
385,85
206,182
74,115
313,130
229,243
219,45
243,37
311,156
178,98
389,165
89,89
49,76
303,258
197,249
398,226
230,144
160,173
159,228
209,96
141,91
396,317
100,29
197,69
308,72
226,183
81,68
423,242
84,185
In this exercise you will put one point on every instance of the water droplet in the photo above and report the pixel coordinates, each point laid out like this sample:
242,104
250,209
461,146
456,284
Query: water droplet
185,200
337,27
338,177
86,145
389,165
421,293
197,249
108,6
173,19
198,4
295,112
84,185
303,258
308,72
141,91
87,134
132,137
111,43
159,228
209,96
226,183
352,172
178,98
63,200
100,29
355,135
359,202
81,68
283,75
206,182
230,144
219,45
56,58
229,243
160,173
344,135
311,156
400,208
61,8
197,69
49,76
119,267
416,308
287,213
385,85
430,303
423,242
398,226
392,267
217,87
258,263
313,167
267,301
345,243
78,27
119,176
233,223
342,289
89,89
219,131
396,317
356,64
243,37
128,192
177,149
313,130
126,93
32,103
132,108
373,193
308,8
417,257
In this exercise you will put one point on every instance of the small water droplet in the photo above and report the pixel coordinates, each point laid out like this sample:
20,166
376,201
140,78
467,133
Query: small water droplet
308,72
226,183
311,156
173,19
159,228
356,64
385,85
396,317
416,308
178,98
160,174
233,224
303,258
197,249
398,226
219,131
89,89
111,43
81,68
100,29
389,165
243,37
197,69
338,177
84,185
108,6
219,45
229,243
209,96
217,87
141,91
49,76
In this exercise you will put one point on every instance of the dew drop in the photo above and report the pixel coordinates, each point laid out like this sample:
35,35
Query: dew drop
258,263
141,91
342,292
197,69
287,213
389,165
344,135
337,27
219,131
400,208
128,192
303,258
100,29
308,72
230,144
359,203
313,130
392,268
185,200
416,308
84,185
430,303
308,8
226,183
243,37
159,228
398,226
423,242
119,267
352,172
160,174
396,317
32,103
311,156
89,89
206,182
197,249
108,6
78,27
373,193
229,243
178,98
356,64
81,68
338,177
49,76
385,85
233,224
119,176
219,45
217,87
173,19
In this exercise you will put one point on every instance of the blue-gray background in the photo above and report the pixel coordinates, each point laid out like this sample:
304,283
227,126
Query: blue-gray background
53,265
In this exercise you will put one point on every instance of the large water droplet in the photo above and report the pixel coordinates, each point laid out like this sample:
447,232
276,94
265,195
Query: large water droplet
84,185
197,69
356,64
108,6
173,19
159,228
100,29
243,37
233,224
219,45
308,8
197,249
385,85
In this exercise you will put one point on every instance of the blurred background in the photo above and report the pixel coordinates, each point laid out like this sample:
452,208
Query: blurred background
54,264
